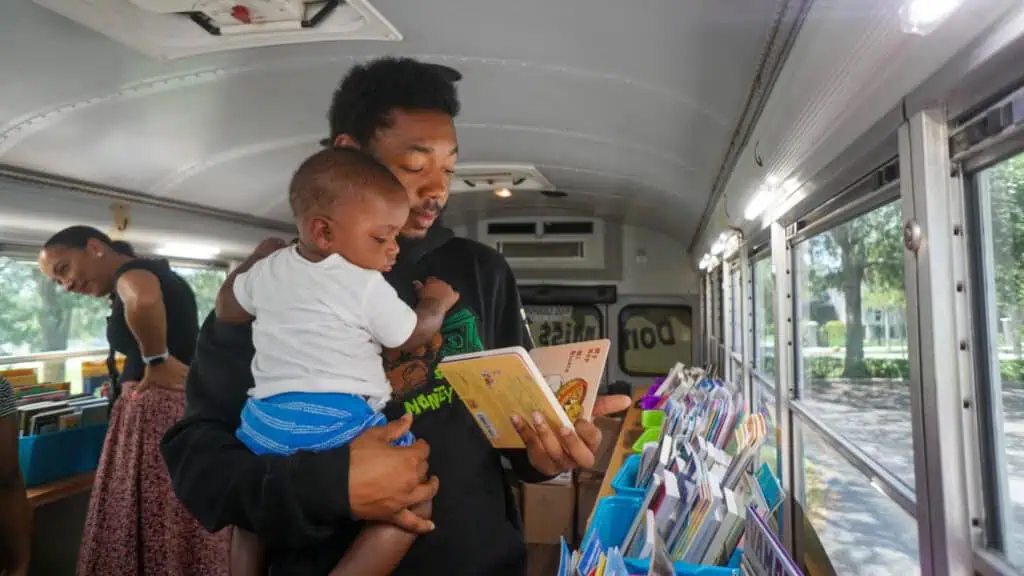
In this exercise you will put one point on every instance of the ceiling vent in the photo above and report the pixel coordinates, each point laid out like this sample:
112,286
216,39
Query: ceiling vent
566,243
170,29
490,177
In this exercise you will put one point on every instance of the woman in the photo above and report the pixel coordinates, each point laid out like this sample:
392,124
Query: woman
135,525
15,512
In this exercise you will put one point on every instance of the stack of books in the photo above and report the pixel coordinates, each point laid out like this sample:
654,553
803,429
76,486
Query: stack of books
696,485
592,560
49,407
696,494
44,416
46,407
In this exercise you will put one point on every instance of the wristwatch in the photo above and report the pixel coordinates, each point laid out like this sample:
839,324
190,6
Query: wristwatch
155,360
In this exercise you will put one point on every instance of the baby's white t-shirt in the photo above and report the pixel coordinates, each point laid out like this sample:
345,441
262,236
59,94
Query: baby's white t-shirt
320,325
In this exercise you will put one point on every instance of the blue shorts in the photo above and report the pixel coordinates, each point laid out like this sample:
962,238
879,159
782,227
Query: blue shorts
285,423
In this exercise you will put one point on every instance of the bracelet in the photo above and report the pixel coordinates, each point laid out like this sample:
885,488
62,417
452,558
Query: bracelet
156,359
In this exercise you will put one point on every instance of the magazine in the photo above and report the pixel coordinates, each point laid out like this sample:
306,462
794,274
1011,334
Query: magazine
559,382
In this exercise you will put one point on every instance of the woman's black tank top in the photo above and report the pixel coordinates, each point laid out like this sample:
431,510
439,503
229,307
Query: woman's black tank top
182,321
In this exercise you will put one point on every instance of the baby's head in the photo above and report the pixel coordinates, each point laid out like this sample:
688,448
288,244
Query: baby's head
346,202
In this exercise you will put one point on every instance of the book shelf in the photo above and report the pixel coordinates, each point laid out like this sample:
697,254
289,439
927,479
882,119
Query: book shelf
60,489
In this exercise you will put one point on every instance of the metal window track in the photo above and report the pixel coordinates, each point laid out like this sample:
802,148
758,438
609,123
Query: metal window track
879,477
990,135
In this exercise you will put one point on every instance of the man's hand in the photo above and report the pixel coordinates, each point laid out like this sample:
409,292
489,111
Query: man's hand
267,247
384,481
553,452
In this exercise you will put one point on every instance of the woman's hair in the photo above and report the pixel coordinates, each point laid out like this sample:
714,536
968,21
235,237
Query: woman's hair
122,247
79,236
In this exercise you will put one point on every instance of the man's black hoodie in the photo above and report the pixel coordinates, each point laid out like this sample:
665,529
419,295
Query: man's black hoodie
299,504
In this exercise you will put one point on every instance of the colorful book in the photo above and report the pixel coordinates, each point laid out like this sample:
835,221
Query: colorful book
661,563
565,565
559,382
762,550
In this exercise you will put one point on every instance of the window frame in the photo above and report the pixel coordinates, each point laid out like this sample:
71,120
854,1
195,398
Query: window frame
621,329
761,256
989,416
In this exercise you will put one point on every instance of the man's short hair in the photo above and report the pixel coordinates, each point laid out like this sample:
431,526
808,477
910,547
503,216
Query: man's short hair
340,174
370,92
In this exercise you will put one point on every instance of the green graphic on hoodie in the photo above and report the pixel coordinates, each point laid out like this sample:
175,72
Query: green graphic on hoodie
459,334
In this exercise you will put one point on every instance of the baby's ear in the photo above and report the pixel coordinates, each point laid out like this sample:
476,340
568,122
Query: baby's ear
320,232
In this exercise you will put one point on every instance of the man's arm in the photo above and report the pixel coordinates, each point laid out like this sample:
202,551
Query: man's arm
296,500
15,511
228,307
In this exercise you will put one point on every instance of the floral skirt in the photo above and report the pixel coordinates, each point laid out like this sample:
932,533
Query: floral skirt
135,525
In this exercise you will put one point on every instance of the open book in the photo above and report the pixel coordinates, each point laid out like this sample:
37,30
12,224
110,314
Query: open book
560,382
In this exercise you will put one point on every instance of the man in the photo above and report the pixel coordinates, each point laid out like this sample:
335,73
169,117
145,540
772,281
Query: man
303,506
15,512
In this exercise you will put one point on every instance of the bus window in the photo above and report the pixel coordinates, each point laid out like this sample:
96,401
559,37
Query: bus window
653,338
553,325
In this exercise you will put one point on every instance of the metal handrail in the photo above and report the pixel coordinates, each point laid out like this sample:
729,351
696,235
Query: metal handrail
885,481
55,355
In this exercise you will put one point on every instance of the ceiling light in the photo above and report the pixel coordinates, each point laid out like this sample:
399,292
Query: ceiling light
707,262
922,17
503,193
718,247
732,244
758,203
190,251
772,189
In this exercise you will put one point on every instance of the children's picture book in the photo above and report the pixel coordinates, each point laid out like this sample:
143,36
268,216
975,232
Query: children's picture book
661,563
565,564
559,382
763,551
616,565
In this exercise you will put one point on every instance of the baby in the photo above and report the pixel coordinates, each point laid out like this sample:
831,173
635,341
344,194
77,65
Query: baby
322,313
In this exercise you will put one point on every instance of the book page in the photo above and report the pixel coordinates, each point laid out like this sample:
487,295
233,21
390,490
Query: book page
573,372
497,385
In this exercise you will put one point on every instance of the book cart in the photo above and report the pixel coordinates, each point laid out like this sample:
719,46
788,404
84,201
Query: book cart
709,525
61,434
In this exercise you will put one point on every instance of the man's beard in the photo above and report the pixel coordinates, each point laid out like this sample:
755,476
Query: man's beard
431,207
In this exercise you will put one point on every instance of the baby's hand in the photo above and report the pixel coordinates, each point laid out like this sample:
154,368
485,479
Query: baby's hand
438,290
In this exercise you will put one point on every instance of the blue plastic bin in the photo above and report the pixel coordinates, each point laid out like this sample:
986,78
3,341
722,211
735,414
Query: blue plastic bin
624,482
49,457
735,559
613,516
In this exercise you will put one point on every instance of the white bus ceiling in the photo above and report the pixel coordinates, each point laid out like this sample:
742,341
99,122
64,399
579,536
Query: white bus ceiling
851,78
627,108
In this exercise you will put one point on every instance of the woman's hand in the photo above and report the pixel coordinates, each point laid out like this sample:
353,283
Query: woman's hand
169,375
